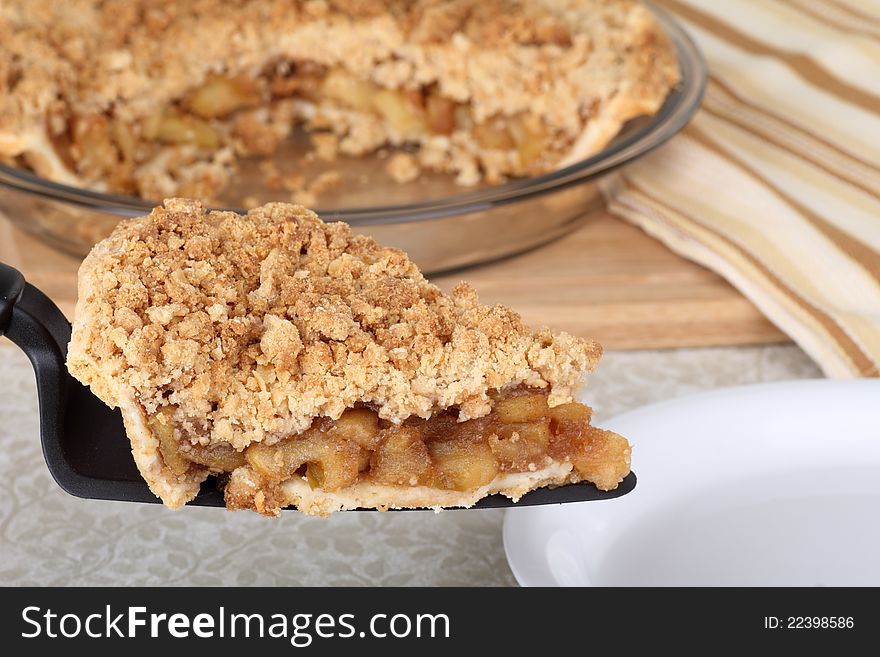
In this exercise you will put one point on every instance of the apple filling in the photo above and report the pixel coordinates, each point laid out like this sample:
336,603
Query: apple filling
413,115
250,115
522,433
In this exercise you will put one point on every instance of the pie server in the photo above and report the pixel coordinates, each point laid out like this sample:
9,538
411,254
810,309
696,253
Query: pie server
84,441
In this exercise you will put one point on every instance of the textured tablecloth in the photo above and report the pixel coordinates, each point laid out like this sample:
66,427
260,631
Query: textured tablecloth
47,537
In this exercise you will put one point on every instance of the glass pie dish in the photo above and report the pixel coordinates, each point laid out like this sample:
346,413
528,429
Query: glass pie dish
440,224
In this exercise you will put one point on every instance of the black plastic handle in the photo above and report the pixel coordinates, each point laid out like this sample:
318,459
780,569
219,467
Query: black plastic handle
29,318
33,322
11,288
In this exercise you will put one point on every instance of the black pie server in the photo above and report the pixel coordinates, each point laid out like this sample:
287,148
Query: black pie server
84,441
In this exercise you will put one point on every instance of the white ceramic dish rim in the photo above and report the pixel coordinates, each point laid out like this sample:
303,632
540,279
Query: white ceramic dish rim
775,409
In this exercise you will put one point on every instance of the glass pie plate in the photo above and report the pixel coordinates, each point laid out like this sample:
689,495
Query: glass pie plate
441,225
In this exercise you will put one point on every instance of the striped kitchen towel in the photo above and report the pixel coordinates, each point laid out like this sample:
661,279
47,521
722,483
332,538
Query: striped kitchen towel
775,184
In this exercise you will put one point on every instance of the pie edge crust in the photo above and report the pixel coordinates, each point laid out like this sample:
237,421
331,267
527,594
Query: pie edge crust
174,490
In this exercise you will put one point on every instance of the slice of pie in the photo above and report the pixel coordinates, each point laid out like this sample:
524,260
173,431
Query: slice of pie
162,98
311,367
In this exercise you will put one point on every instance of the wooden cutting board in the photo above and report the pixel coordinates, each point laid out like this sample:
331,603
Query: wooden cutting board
607,280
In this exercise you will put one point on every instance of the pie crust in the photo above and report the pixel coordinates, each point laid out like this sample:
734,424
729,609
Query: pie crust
230,341
161,98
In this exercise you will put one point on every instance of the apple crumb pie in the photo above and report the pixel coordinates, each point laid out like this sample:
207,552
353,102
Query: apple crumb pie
160,98
308,366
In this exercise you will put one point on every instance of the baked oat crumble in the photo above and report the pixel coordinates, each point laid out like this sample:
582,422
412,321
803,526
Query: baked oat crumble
213,308
403,167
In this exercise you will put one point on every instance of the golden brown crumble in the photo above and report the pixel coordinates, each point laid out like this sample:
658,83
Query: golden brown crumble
252,326
326,145
402,167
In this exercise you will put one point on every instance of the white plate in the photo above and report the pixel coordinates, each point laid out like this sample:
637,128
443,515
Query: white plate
772,485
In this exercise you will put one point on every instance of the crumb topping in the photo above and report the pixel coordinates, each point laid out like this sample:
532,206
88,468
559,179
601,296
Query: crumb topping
252,326
132,55
402,167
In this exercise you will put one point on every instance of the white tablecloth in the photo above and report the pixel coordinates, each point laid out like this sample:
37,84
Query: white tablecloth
47,537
